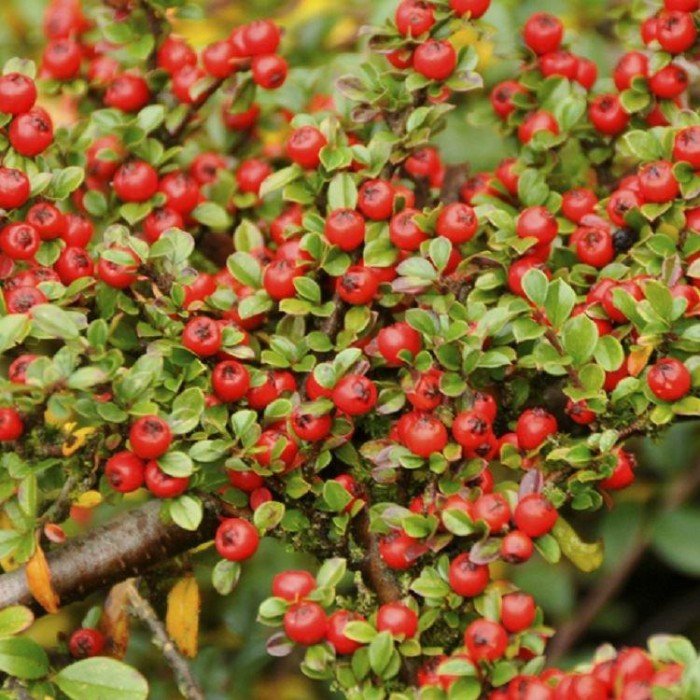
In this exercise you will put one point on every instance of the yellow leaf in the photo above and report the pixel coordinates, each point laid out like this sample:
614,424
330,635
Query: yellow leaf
89,499
7,563
638,359
182,618
584,556
114,622
39,581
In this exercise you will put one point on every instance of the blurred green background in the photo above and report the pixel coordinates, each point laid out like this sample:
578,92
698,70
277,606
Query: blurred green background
652,535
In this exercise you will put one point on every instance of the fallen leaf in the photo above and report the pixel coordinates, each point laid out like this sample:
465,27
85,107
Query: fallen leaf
182,618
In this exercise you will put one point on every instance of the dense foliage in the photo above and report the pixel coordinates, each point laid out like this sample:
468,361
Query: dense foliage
410,373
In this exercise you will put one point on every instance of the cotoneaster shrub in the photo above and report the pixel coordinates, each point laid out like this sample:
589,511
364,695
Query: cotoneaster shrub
409,371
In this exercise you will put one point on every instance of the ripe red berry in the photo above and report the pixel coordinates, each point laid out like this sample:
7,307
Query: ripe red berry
559,62
358,286
17,372
218,59
594,246
620,203
414,18
577,203
306,623
21,299
19,241
516,547
335,632
310,427
163,485
73,263
467,578
676,31
536,122
230,380
543,33
475,8
17,93
586,72
202,336
174,54
623,472
345,228
398,337
502,97
669,82
376,199
657,182
485,640
425,435
181,191
127,92
404,232
399,551
236,539
579,412
269,71
398,619
11,424
31,133
135,181
293,585
85,643
669,379
276,447
251,173
686,146
159,221
632,665
517,611
150,437
534,426
539,223
493,509
119,275
61,59
535,515
14,188
355,394
435,59
261,36
607,115
457,222
631,65
423,162
48,221
278,279
125,472
304,146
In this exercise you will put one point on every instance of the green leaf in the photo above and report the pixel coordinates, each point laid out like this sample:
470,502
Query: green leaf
586,557
579,337
186,511
342,192
245,268
13,329
23,658
66,181
559,302
269,515
280,179
14,620
150,118
380,651
101,678
535,284
176,464
335,495
643,144
225,575
609,353
331,572
212,215
54,322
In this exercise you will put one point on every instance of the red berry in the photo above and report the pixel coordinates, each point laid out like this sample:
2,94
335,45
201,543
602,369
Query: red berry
345,228
230,380
579,412
669,379
467,578
278,279
475,8
559,62
48,221
620,203
534,426
536,122
623,472
485,640
150,437
657,182
11,424
218,59
577,203
355,395
240,121
404,232
457,222
304,146
251,173
128,92
670,82
135,181
73,263
516,547
21,299
493,509
270,442
202,336
17,93
676,31
31,133
261,395
358,286
236,539
181,191
310,427
85,643
543,33
425,435
594,246
607,115
125,472
162,485
519,269
502,97
62,59
399,337
335,632
119,275
632,665
247,481
269,71
305,623
586,72
261,37
14,188
17,372
293,585
414,18
435,59
19,241
398,619
174,54
631,65
376,199
399,551
539,223
535,515
517,611
686,146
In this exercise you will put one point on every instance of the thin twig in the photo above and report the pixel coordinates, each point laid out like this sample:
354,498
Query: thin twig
569,634
552,337
143,610
174,136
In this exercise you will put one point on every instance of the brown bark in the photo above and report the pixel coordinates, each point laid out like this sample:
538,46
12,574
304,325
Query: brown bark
125,547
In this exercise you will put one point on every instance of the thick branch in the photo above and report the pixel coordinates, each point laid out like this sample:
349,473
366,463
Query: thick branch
143,610
127,546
